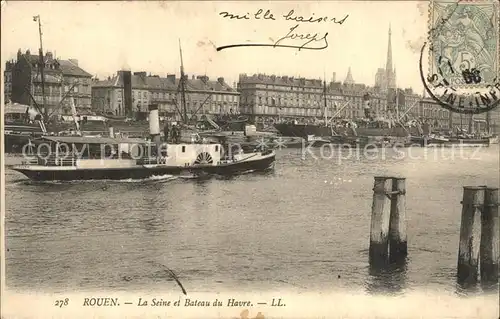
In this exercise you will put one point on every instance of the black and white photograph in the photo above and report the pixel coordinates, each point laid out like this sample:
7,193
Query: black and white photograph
250,159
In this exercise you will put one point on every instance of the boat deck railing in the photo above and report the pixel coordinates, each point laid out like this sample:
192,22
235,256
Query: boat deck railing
51,160
30,160
151,160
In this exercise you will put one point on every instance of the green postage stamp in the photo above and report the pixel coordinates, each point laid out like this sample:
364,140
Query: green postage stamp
464,41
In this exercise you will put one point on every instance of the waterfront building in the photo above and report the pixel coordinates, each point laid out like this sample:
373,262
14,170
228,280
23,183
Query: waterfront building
404,103
271,96
77,85
283,97
203,96
63,79
280,96
352,96
431,112
428,111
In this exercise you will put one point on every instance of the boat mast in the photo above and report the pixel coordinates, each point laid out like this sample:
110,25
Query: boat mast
325,106
461,123
450,120
41,64
470,124
488,122
397,104
183,93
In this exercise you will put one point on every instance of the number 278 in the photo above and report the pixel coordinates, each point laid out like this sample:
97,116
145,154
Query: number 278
61,303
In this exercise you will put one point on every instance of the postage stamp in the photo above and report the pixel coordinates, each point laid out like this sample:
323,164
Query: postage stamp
464,41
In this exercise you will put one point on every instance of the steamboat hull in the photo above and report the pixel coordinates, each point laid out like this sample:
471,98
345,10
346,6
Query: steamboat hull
72,173
301,130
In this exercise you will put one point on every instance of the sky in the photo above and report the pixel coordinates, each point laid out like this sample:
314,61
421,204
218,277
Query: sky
144,36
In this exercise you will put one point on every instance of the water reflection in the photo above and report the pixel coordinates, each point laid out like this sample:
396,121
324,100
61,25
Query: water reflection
490,286
152,219
472,286
389,278
467,288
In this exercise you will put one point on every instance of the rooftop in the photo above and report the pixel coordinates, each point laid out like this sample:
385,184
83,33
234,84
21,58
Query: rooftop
150,82
281,80
67,67
348,87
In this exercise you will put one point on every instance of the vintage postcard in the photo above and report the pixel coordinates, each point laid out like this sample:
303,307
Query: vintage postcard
250,160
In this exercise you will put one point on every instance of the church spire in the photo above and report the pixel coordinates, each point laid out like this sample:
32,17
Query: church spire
388,66
348,78
390,72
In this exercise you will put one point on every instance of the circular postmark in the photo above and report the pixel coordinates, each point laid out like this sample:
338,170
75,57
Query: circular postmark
464,55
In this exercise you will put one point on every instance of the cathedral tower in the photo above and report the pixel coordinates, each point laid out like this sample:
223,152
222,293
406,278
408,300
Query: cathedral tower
390,74
386,78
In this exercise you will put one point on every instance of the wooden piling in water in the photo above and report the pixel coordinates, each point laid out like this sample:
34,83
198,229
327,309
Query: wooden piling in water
490,237
468,251
398,247
381,209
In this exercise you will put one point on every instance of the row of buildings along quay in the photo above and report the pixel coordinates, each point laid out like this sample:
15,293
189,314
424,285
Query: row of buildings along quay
264,98
63,77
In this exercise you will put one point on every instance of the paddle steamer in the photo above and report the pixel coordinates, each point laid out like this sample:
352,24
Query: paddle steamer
112,158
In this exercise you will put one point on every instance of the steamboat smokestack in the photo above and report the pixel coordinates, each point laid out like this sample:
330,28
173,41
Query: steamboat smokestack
127,92
367,105
154,123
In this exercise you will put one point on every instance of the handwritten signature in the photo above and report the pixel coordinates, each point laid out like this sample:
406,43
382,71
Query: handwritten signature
293,34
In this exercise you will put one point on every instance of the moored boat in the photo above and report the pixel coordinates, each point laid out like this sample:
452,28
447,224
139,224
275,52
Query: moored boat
20,126
351,132
432,141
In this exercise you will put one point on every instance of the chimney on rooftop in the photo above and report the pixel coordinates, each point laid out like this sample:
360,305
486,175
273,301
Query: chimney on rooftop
220,80
203,78
127,88
171,77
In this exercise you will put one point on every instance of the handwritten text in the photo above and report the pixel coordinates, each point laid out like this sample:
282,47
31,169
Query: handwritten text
295,37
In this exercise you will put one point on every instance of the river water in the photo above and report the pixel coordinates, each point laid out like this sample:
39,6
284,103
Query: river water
303,227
